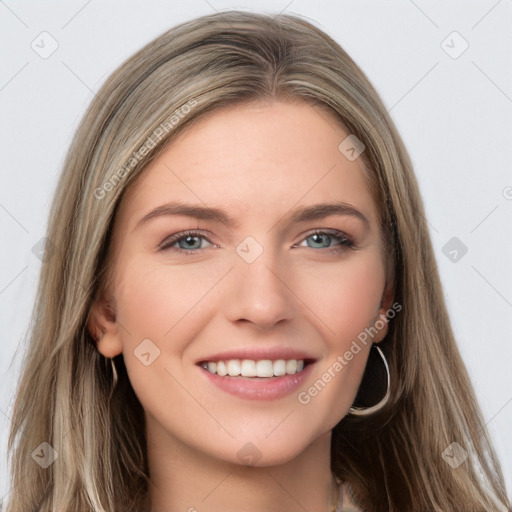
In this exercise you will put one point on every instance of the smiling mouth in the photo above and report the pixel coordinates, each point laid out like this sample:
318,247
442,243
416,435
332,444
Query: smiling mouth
249,368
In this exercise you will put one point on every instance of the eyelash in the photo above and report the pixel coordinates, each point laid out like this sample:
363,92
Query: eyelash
344,241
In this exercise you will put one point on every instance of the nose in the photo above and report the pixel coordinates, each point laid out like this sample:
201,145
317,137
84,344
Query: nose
260,292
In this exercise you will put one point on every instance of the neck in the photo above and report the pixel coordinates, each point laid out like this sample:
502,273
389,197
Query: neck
183,479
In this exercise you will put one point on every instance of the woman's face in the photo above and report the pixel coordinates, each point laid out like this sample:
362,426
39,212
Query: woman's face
252,283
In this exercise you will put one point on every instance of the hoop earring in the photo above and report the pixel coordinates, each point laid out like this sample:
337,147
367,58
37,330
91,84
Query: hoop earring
366,411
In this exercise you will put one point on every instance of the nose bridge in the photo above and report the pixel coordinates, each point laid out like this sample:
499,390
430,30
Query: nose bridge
260,292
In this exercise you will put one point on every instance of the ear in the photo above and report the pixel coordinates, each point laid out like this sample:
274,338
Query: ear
104,329
381,321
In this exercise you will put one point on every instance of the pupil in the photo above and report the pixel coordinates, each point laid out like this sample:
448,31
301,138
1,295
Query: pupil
325,244
190,240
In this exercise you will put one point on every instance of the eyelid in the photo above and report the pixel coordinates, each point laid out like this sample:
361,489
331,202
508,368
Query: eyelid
328,231
345,241
335,233
175,237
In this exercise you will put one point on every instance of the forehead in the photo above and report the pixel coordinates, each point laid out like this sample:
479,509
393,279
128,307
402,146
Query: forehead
258,160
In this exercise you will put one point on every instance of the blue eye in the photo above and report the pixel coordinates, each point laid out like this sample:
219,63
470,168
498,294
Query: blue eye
189,239
189,242
323,238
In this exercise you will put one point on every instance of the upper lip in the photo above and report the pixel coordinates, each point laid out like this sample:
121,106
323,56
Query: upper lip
260,353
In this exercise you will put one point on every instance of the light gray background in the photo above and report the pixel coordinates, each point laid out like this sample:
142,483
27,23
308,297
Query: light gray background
453,113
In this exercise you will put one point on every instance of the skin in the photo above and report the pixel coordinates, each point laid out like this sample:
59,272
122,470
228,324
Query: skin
258,162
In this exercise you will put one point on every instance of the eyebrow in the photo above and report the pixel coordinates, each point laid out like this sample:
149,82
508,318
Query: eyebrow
308,213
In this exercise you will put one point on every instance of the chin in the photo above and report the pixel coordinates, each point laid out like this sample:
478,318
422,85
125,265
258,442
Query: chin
265,452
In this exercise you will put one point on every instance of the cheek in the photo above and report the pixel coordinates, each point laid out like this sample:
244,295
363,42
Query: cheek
345,296
154,298
160,303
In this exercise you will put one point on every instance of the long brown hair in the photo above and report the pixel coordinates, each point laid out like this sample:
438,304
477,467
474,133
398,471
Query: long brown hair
66,398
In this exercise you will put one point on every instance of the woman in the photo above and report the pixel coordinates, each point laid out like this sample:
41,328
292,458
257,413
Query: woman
193,348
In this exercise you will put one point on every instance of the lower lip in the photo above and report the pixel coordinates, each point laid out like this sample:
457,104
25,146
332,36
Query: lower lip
270,388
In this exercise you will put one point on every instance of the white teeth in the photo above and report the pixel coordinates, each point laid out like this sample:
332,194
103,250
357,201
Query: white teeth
264,368
221,369
279,367
248,368
251,368
233,367
291,366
